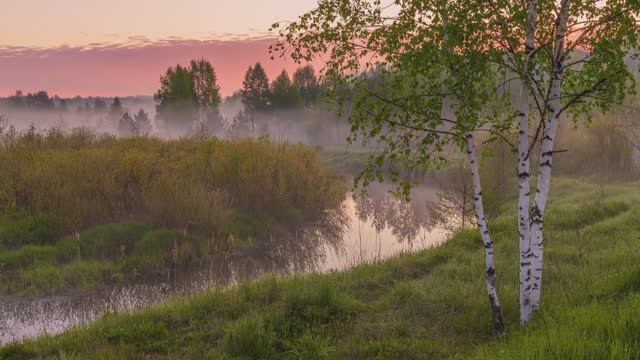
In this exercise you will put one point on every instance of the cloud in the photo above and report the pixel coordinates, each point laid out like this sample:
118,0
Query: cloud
133,67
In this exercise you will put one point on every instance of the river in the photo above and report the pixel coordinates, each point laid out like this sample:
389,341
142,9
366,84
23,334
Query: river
378,226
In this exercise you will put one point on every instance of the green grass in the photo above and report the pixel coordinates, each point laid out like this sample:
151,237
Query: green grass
420,306
110,254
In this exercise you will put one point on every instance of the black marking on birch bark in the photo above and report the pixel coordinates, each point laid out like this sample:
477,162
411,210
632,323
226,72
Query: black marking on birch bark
498,324
523,175
488,245
546,163
491,272
547,153
547,137
522,115
535,211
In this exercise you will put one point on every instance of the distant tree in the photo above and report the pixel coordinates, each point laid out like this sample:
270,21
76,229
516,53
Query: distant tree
306,81
142,124
206,94
126,126
175,107
283,94
255,89
115,110
116,106
39,101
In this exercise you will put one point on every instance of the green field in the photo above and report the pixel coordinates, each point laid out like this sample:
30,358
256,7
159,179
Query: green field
426,305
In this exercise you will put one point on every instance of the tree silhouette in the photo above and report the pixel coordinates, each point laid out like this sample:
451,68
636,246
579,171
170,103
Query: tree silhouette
307,83
187,95
283,94
206,94
142,123
126,126
255,89
175,107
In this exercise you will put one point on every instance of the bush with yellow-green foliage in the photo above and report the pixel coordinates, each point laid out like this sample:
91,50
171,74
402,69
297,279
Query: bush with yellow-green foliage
55,184
79,211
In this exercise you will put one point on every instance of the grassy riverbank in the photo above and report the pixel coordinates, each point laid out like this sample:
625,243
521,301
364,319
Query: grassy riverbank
426,305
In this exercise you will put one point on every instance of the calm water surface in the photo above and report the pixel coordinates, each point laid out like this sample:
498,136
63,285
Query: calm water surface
372,228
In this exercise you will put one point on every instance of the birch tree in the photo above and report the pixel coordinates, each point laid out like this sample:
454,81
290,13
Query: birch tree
572,58
415,82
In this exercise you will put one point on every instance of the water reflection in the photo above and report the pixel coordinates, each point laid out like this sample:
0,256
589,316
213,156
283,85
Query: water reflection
364,229
382,226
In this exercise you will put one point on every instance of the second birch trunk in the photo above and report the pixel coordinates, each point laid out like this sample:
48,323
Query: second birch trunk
524,185
490,268
546,153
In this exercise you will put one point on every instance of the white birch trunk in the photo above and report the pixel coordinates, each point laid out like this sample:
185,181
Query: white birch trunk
524,185
490,272
448,111
546,154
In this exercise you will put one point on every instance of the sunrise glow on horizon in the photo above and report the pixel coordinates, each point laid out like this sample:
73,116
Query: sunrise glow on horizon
79,47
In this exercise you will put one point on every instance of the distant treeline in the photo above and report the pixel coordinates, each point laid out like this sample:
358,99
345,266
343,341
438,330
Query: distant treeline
189,101
189,97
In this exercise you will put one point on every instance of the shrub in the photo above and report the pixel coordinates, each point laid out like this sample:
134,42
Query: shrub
57,184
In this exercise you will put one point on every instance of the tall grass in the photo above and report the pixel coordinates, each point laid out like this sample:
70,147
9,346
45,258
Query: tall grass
56,184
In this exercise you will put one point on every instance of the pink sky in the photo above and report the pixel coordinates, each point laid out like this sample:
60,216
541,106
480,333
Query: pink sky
122,47
111,70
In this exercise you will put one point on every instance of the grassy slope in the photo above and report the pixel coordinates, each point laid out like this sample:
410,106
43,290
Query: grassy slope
427,305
